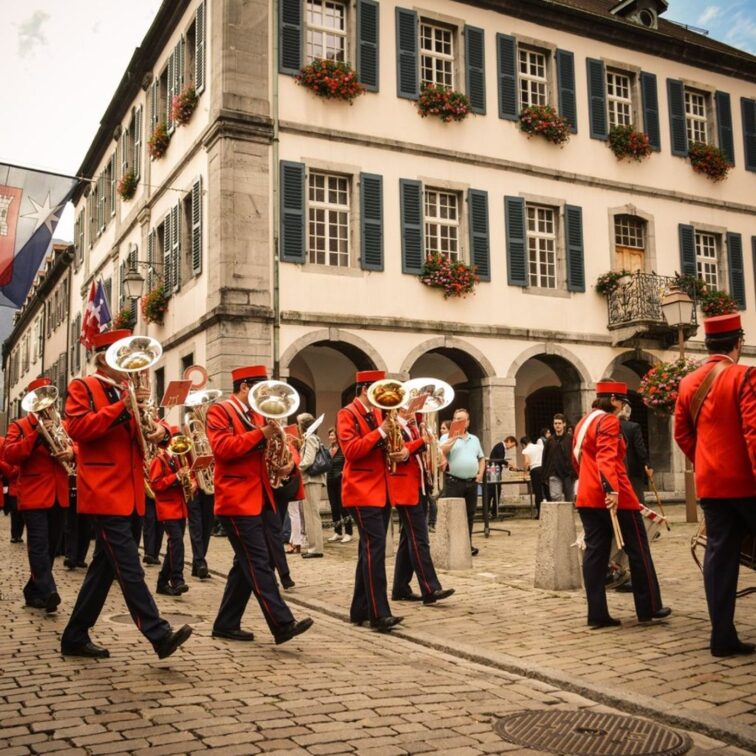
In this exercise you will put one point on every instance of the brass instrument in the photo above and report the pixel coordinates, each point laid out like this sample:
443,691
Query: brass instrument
196,425
275,400
181,446
389,394
43,402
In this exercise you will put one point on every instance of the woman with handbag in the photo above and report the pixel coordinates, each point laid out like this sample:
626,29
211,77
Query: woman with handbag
314,477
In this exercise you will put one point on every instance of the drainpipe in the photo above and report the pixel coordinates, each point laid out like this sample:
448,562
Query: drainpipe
275,197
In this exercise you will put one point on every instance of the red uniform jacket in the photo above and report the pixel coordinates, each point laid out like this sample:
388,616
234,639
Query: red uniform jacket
364,482
42,480
241,476
170,503
296,459
7,471
110,473
602,459
406,481
722,446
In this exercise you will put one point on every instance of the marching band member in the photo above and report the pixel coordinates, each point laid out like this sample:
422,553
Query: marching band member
599,459
243,493
10,498
715,426
42,497
110,482
361,431
407,485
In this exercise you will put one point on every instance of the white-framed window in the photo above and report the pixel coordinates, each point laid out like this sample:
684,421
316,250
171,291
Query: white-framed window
533,78
442,229
707,258
619,98
696,116
325,30
629,231
436,54
542,246
328,219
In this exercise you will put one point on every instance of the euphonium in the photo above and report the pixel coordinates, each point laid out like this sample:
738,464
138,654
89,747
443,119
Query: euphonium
389,394
181,446
43,402
199,402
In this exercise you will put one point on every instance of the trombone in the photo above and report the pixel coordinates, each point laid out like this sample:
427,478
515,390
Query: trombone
43,402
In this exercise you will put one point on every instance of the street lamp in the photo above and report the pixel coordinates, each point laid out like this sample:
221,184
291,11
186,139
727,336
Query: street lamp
677,308
133,282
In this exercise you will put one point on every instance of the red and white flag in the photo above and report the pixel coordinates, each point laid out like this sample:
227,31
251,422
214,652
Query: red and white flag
96,316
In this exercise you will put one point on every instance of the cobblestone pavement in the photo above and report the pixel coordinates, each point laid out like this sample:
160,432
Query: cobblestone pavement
438,685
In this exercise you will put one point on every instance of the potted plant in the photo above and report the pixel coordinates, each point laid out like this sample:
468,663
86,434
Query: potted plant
125,318
692,285
159,141
155,305
543,120
183,105
716,302
626,143
709,161
331,79
447,104
455,279
609,282
660,385
127,185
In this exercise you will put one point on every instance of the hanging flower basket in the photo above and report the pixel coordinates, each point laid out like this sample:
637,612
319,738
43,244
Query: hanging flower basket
693,286
331,79
455,278
626,143
124,319
610,282
708,160
716,302
155,305
127,186
159,141
183,105
660,385
447,104
543,120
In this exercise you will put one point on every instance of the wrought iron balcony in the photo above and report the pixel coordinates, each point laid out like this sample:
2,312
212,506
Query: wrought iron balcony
635,309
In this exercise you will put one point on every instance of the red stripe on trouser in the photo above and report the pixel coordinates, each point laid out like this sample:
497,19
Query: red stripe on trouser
117,571
418,561
253,574
646,563
369,561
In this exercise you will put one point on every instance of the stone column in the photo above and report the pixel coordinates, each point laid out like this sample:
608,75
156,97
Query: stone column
450,544
557,562
497,410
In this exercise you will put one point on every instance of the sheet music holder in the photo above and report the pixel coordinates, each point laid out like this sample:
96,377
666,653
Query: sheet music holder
457,428
417,403
176,393
202,462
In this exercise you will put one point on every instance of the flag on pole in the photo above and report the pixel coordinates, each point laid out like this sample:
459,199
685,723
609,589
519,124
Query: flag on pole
31,203
97,314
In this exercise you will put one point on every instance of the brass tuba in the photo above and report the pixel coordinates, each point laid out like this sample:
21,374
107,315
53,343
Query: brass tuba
196,425
389,394
182,446
43,402
275,400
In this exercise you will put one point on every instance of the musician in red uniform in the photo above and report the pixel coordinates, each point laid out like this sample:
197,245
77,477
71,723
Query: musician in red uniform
110,482
407,484
715,426
167,479
42,497
10,500
238,439
598,448
365,492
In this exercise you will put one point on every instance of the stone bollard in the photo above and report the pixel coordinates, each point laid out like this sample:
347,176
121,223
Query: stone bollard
450,544
557,565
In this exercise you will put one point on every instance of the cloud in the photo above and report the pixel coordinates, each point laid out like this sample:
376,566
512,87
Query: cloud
709,14
742,32
30,33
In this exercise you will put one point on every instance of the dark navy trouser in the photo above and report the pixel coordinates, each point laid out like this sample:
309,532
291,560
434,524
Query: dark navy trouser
153,529
413,554
200,526
44,530
78,532
370,600
172,570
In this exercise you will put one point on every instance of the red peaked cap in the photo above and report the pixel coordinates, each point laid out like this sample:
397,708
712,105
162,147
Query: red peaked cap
175,430
369,376
721,324
607,388
38,383
251,371
101,341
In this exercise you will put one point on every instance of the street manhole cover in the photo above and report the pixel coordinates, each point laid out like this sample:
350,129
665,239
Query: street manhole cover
174,618
591,733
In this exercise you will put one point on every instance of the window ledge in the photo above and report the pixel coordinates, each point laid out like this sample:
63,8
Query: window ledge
331,270
540,291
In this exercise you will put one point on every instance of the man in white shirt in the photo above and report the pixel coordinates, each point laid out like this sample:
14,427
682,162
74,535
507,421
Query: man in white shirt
533,453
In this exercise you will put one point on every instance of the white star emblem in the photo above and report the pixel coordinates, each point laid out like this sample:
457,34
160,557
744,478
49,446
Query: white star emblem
45,214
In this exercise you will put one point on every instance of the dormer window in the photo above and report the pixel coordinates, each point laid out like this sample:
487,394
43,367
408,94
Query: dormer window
642,12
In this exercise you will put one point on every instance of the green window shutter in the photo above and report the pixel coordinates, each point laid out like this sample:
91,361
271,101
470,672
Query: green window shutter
154,103
677,129
171,85
573,234
200,44
176,246
599,125
517,263
650,104
479,240
687,250
178,70
565,61
406,54
151,236
506,65
724,125
167,245
137,142
196,238
371,221
368,14
411,207
748,111
475,68
737,271
292,212
290,56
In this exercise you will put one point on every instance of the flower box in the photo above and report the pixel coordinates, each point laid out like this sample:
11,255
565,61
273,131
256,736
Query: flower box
124,319
155,305
709,161
609,282
331,79
127,186
455,279
159,141
442,102
183,105
544,121
660,385
715,302
626,143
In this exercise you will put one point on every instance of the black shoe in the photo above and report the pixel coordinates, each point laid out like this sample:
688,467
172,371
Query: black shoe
665,611
167,590
474,551
202,572
384,624
36,603
17,540
287,582
181,587
431,598
83,565
358,622
87,649
406,597
312,555
297,627
169,643
69,564
148,559
738,649
237,635
607,622
52,602
624,588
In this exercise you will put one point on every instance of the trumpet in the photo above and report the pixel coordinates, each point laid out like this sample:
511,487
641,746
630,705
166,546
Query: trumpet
199,402
43,402
389,394
181,446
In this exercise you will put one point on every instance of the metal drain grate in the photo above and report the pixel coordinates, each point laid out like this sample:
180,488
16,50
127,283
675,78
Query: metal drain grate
587,733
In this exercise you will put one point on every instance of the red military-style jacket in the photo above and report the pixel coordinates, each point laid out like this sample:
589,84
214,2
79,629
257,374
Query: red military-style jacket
602,459
722,445
7,471
42,480
405,483
241,477
170,502
296,458
364,482
110,472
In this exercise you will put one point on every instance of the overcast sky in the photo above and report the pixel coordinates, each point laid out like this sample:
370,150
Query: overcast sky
61,61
